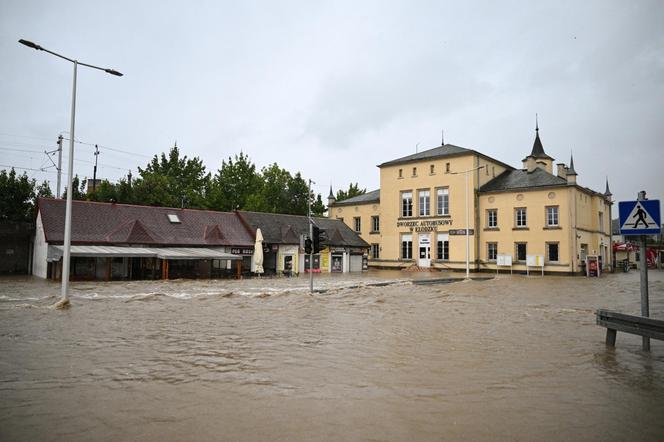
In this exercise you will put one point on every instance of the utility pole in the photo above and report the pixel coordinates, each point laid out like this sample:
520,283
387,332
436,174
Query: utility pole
645,307
59,163
94,173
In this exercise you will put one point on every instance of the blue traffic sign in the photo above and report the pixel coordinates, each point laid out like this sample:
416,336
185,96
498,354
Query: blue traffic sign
640,217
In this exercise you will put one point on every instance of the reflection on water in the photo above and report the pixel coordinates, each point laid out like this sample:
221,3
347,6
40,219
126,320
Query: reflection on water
510,358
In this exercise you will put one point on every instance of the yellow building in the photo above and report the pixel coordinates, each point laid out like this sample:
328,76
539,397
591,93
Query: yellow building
437,207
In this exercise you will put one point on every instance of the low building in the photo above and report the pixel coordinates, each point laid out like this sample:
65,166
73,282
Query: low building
440,207
122,241
342,251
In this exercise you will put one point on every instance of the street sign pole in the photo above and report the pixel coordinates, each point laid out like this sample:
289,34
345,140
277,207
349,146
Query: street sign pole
645,307
640,218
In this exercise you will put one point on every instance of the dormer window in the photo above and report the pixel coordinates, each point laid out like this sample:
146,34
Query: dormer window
173,218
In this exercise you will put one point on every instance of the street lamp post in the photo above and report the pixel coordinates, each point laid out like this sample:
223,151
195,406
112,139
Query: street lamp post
70,171
466,172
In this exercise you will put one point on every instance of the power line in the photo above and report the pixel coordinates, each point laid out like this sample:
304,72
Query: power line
21,150
25,136
26,168
114,149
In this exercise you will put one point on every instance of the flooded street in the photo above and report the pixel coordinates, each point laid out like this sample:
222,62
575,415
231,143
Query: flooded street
515,358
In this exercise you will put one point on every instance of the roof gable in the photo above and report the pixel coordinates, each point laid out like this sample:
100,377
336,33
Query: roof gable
106,223
132,231
286,229
365,198
522,179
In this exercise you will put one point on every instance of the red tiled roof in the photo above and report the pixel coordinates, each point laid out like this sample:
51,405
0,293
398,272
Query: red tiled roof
106,223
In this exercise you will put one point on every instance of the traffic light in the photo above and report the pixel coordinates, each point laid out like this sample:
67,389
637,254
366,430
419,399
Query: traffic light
307,246
320,235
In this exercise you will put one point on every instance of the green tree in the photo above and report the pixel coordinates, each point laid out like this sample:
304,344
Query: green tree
105,192
317,207
298,196
17,195
234,184
43,190
353,190
273,196
78,189
172,181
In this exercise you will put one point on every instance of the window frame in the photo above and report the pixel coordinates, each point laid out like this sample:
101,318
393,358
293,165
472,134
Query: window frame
556,214
488,218
424,193
517,224
446,196
375,251
409,206
516,251
548,256
488,251
357,224
443,249
375,223
406,238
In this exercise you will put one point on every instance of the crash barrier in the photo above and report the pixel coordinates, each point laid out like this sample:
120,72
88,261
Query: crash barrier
636,325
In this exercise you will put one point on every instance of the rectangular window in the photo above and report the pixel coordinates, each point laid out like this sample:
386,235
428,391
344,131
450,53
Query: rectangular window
400,173
375,251
552,216
447,167
492,251
521,220
424,203
414,171
520,251
432,169
357,223
443,250
601,222
492,218
552,251
375,224
406,203
407,246
443,201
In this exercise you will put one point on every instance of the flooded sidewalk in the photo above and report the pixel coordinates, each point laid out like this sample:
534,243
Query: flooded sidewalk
367,357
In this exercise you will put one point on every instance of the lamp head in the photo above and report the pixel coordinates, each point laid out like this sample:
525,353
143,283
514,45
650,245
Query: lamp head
30,44
113,72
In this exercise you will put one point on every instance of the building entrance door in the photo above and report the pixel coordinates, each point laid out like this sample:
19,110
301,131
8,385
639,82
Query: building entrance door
425,251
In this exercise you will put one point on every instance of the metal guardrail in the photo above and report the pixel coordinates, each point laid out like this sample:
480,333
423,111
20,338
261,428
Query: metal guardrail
636,325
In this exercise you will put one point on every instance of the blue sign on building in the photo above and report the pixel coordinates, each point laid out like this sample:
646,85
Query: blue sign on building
640,217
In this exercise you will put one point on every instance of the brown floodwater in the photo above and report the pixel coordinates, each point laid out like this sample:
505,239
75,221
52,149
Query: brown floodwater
514,358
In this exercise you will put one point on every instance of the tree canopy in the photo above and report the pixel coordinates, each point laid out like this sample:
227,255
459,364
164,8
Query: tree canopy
175,181
18,195
353,190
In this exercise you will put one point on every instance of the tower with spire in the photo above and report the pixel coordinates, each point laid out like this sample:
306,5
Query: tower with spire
537,157
330,201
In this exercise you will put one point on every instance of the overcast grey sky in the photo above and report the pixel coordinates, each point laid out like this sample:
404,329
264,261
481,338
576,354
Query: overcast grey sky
332,89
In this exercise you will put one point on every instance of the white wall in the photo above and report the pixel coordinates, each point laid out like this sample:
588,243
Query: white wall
39,264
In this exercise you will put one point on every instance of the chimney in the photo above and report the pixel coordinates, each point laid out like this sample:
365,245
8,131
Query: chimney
562,170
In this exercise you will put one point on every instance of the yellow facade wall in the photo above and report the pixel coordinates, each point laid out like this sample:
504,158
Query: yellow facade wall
578,217
536,234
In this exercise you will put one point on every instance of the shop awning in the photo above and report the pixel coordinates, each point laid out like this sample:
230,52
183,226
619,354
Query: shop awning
55,252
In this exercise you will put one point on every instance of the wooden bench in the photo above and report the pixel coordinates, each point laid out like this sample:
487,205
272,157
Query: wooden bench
636,325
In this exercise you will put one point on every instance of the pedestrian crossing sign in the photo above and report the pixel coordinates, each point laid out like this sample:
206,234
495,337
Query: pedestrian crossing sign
640,217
